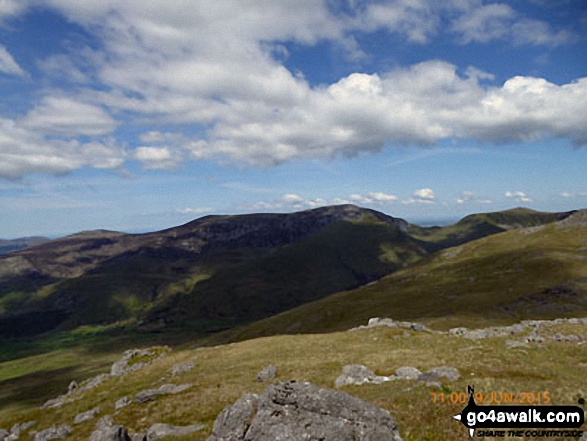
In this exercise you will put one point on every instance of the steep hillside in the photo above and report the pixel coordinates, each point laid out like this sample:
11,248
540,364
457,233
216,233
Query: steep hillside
215,272
534,272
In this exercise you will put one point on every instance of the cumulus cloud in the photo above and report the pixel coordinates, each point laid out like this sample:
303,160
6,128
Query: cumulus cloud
293,201
421,196
67,116
519,196
215,67
471,197
157,158
7,63
23,152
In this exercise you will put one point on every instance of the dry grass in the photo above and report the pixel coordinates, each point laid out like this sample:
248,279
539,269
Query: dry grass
222,374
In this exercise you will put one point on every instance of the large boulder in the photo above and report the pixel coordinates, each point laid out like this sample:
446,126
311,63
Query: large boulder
290,411
106,430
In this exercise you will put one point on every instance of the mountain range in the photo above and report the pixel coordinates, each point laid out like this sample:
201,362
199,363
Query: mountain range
220,272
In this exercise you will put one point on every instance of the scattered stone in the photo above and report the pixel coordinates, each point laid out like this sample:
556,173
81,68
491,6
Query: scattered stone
123,402
86,416
291,411
406,334
267,373
357,374
571,338
407,373
448,372
54,432
534,339
180,368
4,434
435,384
376,321
160,430
166,389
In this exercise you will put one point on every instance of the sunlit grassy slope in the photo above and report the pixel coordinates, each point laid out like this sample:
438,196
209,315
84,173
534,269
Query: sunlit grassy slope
222,374
537,272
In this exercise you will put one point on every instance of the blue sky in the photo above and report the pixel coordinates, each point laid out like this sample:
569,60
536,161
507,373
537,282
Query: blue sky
141,115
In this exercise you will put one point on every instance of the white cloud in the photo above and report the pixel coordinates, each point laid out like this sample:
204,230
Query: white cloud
198,210
471,197
7,63
157,158
421,196
24,152
214,65
67,116
567,194
519,196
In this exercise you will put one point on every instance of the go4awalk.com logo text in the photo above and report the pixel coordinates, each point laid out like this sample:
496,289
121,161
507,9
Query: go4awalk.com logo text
518,421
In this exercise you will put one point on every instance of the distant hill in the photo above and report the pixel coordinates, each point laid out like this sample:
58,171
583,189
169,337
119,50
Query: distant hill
526,273
218,272
8,245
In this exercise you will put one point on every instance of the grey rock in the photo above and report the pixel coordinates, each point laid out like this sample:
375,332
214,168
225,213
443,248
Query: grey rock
267,373
123,366
534,339
123,402
166,389
54,432
86,416
448,372
180,368
18,428
234,421
110,433
72,386
407,373
160,430
355,374
105,421
4,434
93,382
54,402
290,411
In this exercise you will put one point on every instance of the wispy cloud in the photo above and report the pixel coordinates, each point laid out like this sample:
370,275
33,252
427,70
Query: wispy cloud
421,196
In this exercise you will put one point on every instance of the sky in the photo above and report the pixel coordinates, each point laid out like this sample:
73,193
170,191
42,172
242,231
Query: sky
142,115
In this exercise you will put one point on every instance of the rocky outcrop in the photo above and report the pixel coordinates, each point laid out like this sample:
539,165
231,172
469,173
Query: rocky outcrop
391,323
166,389
54,432
268,373
159,430
291,411
146,356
